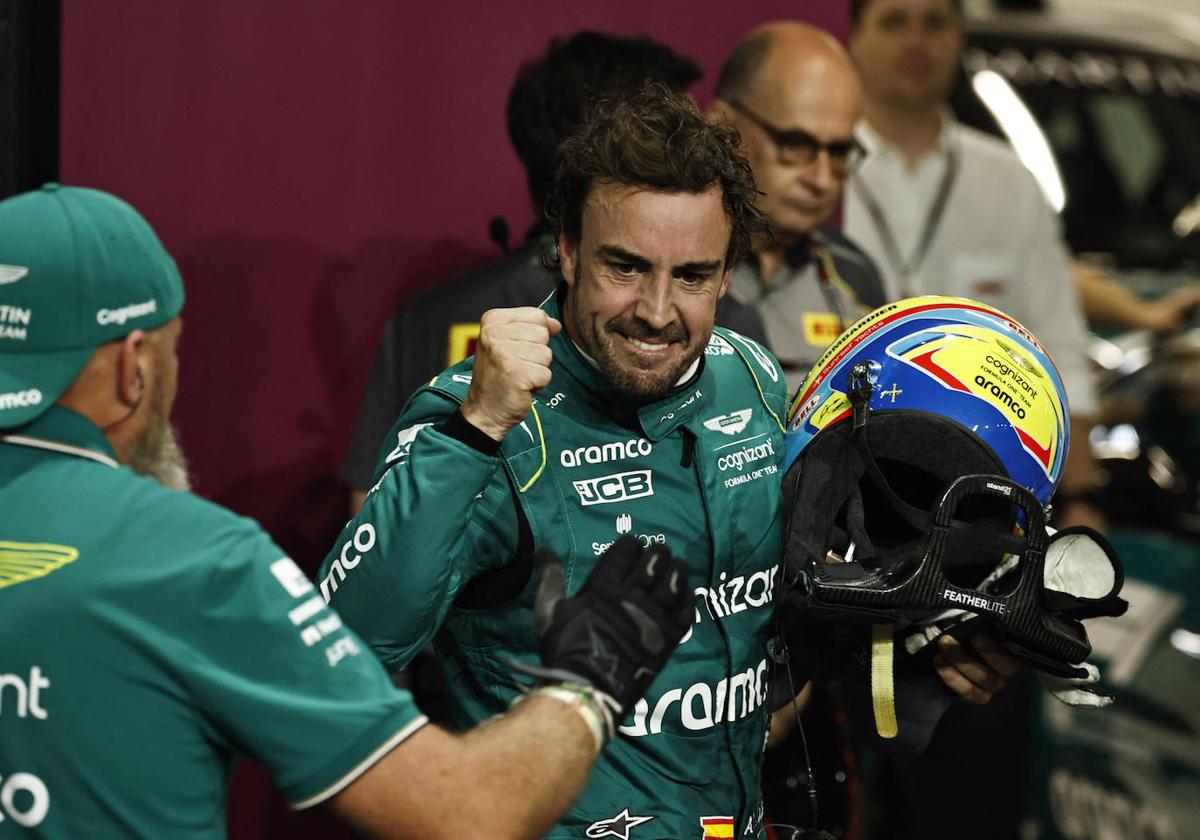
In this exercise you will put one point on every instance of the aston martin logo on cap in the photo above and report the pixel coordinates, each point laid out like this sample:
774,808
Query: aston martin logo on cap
11,273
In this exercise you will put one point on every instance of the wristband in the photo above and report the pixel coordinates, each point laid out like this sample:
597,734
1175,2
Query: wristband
584,701
461,429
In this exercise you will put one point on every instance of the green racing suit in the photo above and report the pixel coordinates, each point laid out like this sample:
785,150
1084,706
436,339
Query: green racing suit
441,551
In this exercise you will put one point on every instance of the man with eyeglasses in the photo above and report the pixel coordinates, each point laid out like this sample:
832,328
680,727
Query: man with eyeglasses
794,96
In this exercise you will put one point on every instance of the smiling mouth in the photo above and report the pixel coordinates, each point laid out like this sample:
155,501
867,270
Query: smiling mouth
648,346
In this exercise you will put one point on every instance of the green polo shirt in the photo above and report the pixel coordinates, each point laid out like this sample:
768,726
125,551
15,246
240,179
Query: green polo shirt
147,638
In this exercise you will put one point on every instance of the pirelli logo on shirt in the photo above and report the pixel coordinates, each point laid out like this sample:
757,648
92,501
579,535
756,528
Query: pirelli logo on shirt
821,328
464,338
22,561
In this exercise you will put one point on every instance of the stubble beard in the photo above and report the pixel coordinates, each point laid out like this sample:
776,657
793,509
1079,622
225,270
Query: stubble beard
638,385
601,348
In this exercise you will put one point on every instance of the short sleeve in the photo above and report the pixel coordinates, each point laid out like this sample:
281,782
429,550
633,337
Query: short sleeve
280,675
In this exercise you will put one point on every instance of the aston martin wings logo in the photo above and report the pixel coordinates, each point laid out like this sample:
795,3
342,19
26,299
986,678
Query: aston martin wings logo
12,273
730,424
21,562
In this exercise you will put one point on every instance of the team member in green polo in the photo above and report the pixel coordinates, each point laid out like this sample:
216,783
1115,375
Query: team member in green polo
148,636
615,408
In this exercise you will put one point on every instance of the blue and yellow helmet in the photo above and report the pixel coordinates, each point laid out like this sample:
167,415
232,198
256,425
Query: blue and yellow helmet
952,360
921,454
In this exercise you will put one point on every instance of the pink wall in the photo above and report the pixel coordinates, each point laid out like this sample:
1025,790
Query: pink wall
311,163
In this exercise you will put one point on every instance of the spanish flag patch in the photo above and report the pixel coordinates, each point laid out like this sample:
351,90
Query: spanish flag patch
716,827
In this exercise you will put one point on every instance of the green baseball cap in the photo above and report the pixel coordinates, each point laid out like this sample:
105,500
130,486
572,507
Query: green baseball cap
78,268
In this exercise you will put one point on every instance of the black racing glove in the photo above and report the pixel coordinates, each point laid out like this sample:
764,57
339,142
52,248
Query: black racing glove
618,631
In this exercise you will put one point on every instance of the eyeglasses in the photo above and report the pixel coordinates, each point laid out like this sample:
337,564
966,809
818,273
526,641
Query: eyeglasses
797,147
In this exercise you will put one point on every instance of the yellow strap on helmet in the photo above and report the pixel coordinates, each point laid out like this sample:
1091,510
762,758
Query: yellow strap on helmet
883,683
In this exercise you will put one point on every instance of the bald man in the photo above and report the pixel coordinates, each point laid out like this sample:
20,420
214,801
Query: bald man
792,92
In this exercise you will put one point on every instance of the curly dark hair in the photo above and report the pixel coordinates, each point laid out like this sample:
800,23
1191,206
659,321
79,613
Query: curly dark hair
654,138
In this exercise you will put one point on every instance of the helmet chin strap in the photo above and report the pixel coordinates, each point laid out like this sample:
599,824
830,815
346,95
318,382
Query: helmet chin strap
883,654
861,386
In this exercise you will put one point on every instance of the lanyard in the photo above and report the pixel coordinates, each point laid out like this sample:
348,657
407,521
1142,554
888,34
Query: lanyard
827,274
905,269
828,277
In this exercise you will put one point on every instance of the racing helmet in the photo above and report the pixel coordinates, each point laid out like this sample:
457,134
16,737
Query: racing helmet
952,365
922,451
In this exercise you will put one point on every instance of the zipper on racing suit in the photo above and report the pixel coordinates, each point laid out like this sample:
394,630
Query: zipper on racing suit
688,459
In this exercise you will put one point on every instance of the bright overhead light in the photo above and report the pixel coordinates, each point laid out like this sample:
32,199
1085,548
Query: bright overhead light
1188,220
1023,132
1187,642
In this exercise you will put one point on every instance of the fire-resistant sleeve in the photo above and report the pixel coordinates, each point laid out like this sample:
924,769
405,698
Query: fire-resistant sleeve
440,513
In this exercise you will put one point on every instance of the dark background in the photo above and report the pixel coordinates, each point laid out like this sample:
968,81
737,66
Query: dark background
29,67
310,164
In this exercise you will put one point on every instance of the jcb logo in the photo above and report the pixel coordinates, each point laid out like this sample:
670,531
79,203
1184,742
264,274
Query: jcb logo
29,809
615,488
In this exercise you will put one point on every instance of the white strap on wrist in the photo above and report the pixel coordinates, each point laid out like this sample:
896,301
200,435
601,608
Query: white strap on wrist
583,700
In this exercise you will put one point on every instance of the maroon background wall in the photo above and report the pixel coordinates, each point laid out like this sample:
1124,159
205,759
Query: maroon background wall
311,163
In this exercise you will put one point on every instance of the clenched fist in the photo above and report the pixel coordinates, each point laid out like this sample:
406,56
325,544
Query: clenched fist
512,363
